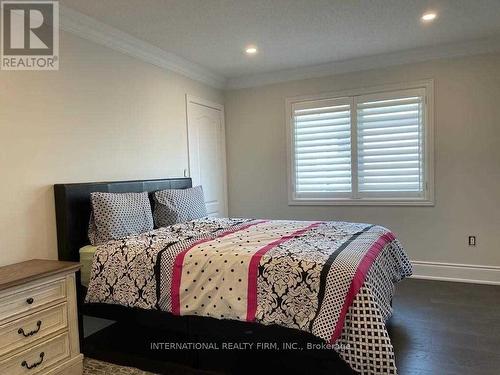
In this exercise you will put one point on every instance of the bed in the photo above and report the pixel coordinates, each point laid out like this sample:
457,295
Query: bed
333,281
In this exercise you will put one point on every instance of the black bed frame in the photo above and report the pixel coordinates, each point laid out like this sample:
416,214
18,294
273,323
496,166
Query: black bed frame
72,203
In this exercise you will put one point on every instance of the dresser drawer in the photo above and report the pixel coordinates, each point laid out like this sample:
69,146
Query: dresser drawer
20,332
37,358
23,300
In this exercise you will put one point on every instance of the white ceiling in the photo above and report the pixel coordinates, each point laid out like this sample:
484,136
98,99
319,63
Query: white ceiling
291,33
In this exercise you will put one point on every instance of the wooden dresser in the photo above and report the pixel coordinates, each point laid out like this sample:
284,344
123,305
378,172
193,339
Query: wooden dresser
38,319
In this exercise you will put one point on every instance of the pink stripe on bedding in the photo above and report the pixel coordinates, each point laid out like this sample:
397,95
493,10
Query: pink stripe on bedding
359,279
254,267
179,261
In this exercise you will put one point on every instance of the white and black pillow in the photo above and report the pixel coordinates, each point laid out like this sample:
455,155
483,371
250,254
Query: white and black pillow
174,206
118,215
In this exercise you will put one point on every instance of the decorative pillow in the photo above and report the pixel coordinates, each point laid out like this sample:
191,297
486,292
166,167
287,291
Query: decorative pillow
178,206
118,215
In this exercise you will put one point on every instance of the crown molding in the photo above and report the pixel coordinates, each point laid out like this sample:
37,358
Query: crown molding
91,29
98,32
473,47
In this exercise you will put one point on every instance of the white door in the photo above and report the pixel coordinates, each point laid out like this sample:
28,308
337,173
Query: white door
207,152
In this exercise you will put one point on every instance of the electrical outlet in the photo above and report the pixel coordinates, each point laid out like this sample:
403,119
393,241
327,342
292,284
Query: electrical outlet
472,240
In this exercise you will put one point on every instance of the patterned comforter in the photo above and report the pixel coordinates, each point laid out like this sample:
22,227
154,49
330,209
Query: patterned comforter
332,279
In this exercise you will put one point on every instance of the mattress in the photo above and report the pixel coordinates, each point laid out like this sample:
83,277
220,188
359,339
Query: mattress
86,256
332,279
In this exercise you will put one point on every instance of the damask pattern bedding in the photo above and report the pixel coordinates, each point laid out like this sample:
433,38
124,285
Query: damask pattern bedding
332,279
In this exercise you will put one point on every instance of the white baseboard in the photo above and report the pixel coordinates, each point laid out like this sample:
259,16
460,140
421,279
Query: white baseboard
464,273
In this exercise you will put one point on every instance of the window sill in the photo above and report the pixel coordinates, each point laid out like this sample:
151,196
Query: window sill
360,202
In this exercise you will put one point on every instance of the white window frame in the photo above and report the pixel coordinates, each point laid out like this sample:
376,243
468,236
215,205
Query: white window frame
427,199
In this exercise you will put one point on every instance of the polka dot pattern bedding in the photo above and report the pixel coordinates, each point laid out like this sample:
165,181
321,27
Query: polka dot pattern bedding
332,279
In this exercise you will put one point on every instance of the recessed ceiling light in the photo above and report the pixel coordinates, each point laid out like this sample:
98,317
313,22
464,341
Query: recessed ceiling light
429,16
251,50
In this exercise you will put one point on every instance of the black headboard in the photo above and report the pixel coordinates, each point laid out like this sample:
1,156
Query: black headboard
73,208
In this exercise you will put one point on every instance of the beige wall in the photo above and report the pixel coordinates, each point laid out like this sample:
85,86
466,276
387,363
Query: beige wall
107,116
467,166
102,116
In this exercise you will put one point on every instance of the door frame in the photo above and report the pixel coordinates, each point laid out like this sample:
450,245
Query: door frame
191,99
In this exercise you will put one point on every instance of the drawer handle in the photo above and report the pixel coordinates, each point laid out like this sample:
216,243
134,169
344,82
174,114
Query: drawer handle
31,333
30,300
29,367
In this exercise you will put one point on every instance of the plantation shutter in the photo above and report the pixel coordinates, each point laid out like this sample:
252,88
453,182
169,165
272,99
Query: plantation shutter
322,147
390,135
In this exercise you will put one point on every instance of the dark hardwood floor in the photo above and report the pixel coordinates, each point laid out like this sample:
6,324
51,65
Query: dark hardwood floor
438,328
444,328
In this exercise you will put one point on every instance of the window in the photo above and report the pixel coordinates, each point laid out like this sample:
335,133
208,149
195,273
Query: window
366,147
